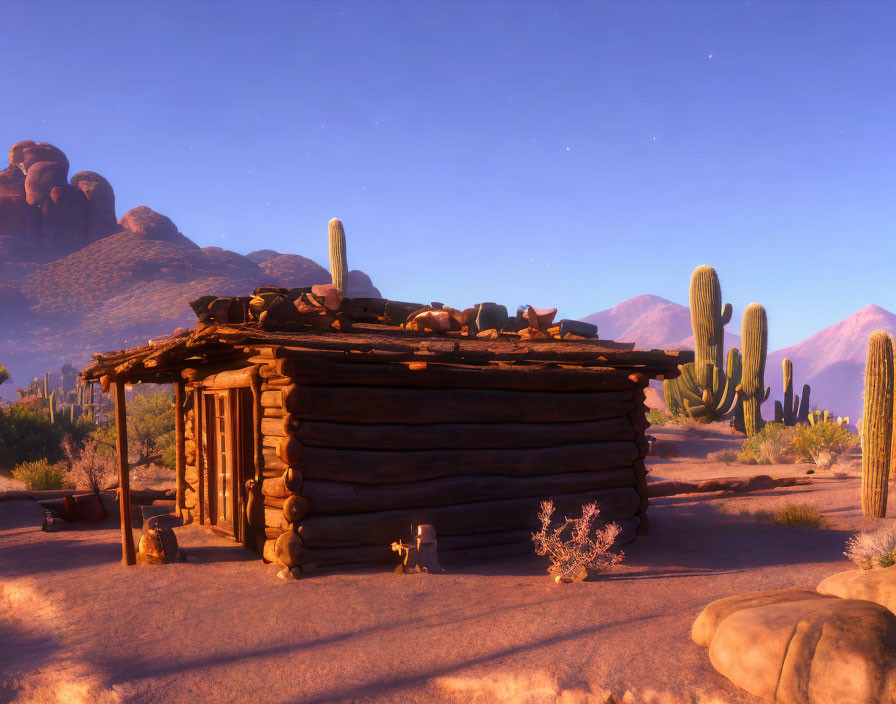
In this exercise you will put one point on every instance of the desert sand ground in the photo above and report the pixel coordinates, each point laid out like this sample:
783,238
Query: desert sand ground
77,626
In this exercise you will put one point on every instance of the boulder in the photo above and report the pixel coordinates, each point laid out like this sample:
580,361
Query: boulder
16,217
17,154
100,204
800,647
878,586
157,546
146,221
35,153
42,178
64,218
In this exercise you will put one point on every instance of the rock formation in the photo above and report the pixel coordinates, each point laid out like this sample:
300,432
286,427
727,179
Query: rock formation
42,215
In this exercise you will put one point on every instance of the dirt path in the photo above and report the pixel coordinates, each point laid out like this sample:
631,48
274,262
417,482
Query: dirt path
221,627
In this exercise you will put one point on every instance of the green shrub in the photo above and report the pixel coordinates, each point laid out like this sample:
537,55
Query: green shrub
822,443
771,445
40,475
656,416
794,515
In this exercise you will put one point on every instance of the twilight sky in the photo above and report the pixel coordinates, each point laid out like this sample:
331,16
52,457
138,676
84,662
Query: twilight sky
569,154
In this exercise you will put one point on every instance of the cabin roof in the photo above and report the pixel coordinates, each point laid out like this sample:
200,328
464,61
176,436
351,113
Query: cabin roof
161,360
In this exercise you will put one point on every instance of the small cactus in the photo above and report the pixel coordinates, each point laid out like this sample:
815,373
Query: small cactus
794,409
338,261
52,406
753,392
877,424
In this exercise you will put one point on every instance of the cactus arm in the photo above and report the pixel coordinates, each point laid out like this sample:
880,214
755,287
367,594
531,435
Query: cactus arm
802,415
727,312
779,412
338,261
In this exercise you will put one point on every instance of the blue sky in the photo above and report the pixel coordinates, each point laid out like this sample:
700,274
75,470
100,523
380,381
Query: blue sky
568,154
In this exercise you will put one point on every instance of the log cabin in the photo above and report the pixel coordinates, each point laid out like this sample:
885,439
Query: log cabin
315,429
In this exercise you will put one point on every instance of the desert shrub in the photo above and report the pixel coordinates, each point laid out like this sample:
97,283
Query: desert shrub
40,475
26,434
771,445
793,514
150,424
576,547
822,443
656,416
663,449
726,456
873,549
91,465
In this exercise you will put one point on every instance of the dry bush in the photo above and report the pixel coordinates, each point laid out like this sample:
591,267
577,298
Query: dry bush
658,417
772,445
664,450
90,466
873,549
726,456
576,548
793,514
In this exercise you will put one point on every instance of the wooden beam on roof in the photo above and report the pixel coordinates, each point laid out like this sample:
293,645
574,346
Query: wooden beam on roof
128,555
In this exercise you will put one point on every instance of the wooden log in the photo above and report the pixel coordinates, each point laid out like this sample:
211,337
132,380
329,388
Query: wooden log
290,450
273,368
295,508
279,426
324,372
273,533
272,463
346,404
292,399
128,554
392,467
273,518
328,497
230,379
382,527
180,454
460,435
288,483
202,499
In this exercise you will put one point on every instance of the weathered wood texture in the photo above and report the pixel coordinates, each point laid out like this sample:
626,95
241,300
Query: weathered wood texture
347,404
394,467
179,447
383,527
459,436
434,375
331,497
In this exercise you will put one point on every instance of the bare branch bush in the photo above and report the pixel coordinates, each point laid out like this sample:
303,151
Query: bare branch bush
875,549
90,466
576,548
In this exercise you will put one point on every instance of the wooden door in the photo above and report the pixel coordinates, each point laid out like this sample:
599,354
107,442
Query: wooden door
229,458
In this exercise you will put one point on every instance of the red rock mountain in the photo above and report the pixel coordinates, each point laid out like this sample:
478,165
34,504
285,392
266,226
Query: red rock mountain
74,280
832,361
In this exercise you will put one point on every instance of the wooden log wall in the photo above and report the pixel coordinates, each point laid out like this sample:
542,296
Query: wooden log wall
348,468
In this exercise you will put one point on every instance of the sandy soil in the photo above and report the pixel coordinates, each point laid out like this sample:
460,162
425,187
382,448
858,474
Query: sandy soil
77,626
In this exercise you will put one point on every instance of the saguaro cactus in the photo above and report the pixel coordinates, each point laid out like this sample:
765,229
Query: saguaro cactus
708,320
877,424
794,409
338,261
753,392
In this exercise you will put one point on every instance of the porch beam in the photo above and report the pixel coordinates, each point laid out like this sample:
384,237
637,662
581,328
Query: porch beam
128,555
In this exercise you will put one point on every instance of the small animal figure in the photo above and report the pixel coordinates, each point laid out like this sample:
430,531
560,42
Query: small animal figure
422,555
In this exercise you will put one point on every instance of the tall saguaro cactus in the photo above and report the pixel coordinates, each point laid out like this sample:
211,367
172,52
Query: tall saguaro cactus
753,392
338,261
708,320
877,424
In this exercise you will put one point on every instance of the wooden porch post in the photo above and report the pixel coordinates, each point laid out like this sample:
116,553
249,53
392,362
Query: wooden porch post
179,448
128,555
